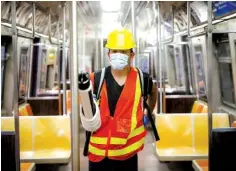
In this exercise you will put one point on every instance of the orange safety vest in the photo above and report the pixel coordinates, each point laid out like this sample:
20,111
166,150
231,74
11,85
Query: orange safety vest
121,136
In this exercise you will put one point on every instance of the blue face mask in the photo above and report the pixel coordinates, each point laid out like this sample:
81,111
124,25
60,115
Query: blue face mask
119,61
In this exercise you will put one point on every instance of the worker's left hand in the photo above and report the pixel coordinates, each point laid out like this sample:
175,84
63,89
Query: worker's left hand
95,98
145,120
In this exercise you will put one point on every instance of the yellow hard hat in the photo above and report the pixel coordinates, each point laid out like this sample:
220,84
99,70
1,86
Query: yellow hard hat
121,39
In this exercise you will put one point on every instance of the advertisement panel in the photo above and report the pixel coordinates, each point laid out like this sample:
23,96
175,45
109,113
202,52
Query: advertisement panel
223,8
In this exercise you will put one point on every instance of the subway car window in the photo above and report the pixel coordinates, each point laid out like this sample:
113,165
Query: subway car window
200,71
224,50
179,66
188,68
171,64
226,79
43,72
225,69
23,69
3,61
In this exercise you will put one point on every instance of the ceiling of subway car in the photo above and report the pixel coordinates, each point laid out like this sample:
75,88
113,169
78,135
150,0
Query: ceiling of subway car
113,14
98,18
24,15
101,16
108,15
94,15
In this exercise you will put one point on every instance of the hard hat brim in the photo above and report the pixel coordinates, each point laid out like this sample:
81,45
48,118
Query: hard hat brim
120,48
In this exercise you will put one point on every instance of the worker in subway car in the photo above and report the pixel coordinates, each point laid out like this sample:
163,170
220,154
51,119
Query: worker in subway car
115,145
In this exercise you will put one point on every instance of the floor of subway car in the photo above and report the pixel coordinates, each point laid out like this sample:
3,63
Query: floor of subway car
147,160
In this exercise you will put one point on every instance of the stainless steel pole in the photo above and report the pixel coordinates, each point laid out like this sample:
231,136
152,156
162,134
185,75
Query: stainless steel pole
209,72
101,48
155,57
133,29
28,58
96,60
191,50
83,46
188,16
159,55
137,48
16,84
29,65
64,58
59,62
75,124
33,16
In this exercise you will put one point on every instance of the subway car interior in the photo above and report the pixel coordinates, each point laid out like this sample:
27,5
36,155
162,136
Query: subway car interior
187,47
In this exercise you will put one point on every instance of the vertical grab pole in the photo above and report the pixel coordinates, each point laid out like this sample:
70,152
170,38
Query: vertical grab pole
156,54
209,74
101,48
190,49
75,124
59,64
188,15
33,17
96,60
28,58
137,48
159,54
83,46
64,58
133,28
16,84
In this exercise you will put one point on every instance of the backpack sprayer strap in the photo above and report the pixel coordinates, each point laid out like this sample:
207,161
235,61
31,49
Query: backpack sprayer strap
145,105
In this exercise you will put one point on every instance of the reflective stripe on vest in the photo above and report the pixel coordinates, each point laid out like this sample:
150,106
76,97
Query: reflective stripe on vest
103,140
119,152
136,101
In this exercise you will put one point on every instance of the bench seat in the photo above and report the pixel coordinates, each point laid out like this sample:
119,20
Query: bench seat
184,137
43,139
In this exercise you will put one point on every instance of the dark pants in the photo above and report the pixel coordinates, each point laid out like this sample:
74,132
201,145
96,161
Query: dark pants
106,164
